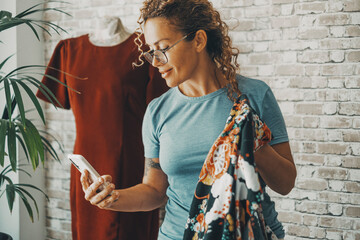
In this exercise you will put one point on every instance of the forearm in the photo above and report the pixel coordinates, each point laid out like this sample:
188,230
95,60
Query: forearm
146,196
278,171
141,197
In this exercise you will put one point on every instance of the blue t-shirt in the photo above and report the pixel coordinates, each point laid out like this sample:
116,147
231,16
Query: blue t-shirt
180,131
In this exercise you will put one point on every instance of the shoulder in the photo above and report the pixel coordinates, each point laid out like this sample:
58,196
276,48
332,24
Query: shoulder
156,112
251,85
263,101
61,44
73,41
160,104
257,92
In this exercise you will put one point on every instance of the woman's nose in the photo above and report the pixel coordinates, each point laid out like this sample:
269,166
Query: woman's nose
156,62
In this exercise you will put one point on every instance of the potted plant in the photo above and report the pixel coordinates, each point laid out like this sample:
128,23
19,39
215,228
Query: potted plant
20,131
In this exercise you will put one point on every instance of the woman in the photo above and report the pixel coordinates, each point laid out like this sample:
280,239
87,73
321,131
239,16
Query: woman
192,50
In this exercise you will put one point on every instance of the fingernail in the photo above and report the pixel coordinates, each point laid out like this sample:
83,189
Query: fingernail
100,180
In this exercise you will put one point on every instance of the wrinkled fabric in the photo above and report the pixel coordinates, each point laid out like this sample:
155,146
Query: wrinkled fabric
228,196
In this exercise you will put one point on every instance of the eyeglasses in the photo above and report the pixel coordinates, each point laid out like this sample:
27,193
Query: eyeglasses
160,54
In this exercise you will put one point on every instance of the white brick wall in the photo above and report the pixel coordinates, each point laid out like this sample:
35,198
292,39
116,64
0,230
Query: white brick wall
309,53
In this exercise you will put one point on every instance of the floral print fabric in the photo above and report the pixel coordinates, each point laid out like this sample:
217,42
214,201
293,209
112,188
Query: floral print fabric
228,196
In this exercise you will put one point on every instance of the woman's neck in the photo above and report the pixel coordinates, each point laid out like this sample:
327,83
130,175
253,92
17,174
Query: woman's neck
207,80
109,31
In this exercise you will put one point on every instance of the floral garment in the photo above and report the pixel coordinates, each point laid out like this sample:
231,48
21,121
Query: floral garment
228,196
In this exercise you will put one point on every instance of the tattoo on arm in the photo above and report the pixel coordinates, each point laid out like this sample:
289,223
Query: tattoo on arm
149,163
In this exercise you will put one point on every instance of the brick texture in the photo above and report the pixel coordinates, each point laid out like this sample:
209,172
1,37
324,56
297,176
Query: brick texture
309,53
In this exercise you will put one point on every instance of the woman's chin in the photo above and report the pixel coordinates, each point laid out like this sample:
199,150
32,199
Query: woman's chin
170,83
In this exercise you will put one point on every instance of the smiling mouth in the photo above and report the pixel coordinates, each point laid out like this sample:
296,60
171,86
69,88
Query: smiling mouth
164,74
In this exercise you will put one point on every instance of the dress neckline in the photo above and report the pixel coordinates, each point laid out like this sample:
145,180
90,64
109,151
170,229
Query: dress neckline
87,38
201,98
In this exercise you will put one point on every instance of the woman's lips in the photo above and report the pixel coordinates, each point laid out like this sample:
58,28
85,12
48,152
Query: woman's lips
166,73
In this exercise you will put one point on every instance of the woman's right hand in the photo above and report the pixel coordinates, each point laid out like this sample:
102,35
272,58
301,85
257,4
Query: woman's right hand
103,199
146,196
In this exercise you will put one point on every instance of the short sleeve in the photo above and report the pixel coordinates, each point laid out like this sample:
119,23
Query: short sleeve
272,116
149,134
56,69
156,85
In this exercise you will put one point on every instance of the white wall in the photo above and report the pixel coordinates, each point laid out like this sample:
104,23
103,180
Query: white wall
28,50
9,223
308,51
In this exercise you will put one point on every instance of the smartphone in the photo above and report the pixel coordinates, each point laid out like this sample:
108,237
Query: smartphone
81,164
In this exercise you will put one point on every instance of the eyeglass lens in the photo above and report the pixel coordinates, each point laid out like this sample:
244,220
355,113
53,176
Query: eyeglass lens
160,57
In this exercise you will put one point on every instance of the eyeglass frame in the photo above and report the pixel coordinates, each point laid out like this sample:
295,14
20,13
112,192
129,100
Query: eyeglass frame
163,51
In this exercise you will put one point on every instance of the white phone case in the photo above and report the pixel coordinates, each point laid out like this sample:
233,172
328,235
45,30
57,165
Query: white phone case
81,164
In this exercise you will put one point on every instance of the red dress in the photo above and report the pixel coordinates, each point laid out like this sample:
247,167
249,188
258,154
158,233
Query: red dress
108,116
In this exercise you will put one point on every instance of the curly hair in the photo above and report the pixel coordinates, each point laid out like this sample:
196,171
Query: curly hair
188,17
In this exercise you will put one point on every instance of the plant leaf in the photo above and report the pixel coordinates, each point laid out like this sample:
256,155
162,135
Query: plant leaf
19,100
12,145
51,25
8,170
32,28
30,196
14,72
61,146
33,143
5,170
34,100
10,195
3,62
7,21
27,11
8,180
23,146
37,140
26,203
44,90
49,9
8,96
50,148
5,113
27,111
9,24
24,171
5,15
30,145
49,76
34,187
3,173
58,81
3,129
42,28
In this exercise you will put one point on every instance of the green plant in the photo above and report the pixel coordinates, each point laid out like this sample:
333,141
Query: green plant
20,129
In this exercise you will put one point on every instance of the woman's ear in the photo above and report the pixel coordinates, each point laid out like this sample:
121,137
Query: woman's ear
200,40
